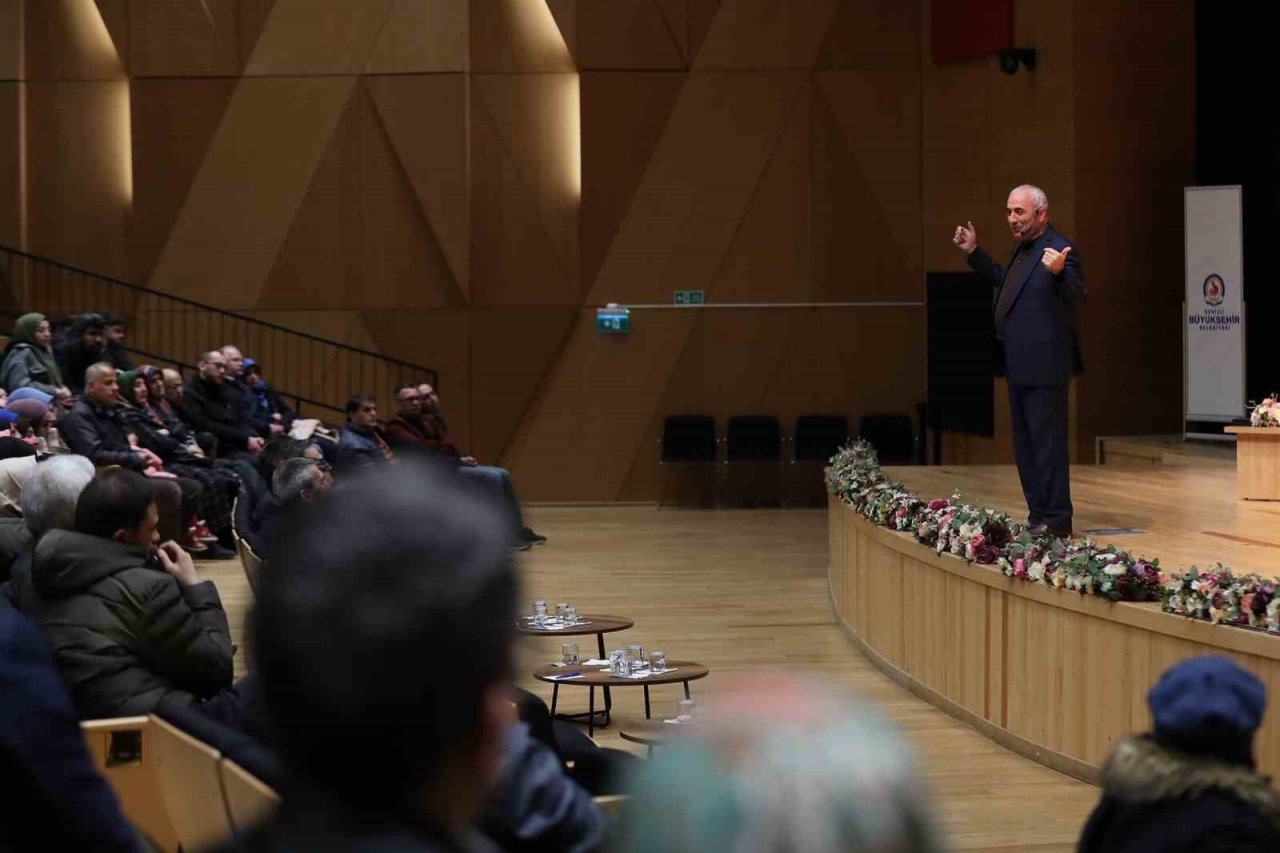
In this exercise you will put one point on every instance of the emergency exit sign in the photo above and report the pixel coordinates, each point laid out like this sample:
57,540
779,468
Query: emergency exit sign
690,297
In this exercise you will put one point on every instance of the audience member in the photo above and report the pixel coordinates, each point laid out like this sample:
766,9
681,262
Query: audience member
383,752
1190,785
491,477
209,405
30,406
264,399
360,441
218,486
49,494
280,448
54,797
115,327
130,622
29,361
82,349
782,764
93,428
248,404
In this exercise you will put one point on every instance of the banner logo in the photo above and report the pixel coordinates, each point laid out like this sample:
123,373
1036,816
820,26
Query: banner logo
1215,290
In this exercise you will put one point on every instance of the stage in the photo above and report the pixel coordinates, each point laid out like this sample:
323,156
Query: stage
1055,675
1185,506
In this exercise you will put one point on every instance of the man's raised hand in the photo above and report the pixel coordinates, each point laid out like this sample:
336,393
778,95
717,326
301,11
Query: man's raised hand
966,237
1055,261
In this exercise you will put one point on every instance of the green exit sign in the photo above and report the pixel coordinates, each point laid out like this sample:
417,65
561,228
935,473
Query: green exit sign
613,320
690,297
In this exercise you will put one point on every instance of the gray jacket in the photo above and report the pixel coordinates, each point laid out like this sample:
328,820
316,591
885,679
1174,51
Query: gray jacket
23,367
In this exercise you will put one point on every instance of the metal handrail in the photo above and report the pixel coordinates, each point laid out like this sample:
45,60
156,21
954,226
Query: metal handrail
203,307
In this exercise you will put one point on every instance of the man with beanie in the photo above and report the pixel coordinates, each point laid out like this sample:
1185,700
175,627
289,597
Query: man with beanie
1190,785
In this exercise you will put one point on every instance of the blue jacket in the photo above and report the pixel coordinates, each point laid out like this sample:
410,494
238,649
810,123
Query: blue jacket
1041,331
55,799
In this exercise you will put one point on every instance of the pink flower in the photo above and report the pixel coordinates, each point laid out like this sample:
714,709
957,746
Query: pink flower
902,512
1020,569
939,504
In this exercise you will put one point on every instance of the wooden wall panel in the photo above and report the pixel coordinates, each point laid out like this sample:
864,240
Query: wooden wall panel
174,120
421,36
755,34
183,38
253,179
306,37
672,240
79,185
514,36
631,35
69,40
11,41
12,201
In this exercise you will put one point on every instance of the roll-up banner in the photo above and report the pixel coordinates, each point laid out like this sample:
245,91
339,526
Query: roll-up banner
1214,332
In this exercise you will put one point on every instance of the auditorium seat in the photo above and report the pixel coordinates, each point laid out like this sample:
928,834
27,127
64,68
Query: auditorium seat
687,461
121,749
250,801
753,461
893,437
190,785
815,440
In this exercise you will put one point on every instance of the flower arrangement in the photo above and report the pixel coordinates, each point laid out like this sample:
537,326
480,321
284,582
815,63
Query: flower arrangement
1266,413
1222,597
985,536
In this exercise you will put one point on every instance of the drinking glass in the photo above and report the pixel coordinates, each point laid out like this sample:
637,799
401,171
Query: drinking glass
618,664
539,612
684,710
569,653
635,652
657,662
562,610
571,615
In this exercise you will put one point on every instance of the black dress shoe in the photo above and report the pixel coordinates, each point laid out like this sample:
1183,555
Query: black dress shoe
532,538
1046,530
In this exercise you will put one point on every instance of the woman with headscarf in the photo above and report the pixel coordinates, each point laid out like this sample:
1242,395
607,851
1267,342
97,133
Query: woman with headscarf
29,361
183,459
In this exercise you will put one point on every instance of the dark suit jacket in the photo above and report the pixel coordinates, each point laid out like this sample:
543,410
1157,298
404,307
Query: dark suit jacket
1041,331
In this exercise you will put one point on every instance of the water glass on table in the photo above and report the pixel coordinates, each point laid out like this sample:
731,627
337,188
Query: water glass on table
635,652
571,615
618,663
539,613
562,610
569,653
657,662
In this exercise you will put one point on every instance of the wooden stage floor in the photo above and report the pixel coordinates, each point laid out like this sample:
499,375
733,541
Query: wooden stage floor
1188,513
746,590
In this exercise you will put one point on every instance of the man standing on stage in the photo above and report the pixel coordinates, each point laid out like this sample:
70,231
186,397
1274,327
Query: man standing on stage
1037,299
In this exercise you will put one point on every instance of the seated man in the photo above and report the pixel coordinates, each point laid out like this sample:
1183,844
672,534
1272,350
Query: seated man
83,347
93,429
299,480
394,754
436,438
360,442
114,328
130,622
246,399
264,398
210,406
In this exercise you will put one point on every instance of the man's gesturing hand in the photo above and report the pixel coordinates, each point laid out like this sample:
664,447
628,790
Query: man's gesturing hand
178,563
966,237
1055,261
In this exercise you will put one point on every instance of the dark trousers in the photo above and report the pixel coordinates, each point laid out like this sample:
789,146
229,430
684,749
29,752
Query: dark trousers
1039,415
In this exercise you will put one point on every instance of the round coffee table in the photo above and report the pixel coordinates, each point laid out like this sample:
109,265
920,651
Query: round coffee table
651,733
678,672
588,623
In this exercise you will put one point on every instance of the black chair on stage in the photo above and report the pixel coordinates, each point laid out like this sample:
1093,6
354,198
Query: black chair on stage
816,440
893,437
687,461
753,461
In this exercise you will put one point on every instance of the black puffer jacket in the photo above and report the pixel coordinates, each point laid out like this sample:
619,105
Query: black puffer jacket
212,407
1156,800
125,633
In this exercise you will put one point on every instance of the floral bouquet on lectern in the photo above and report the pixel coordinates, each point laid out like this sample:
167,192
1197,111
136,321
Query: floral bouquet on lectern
1266,413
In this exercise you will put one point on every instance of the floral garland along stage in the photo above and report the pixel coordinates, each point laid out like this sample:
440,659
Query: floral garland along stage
988,537
1266,413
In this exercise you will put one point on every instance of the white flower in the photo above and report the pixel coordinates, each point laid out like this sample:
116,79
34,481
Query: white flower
1116,569
1036,571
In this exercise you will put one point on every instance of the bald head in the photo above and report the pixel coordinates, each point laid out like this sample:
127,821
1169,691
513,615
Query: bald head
1027,212
234,360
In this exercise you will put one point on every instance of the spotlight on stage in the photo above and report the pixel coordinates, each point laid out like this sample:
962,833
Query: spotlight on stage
1011,58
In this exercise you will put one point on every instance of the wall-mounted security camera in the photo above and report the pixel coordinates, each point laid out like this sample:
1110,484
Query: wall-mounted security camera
1011,58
